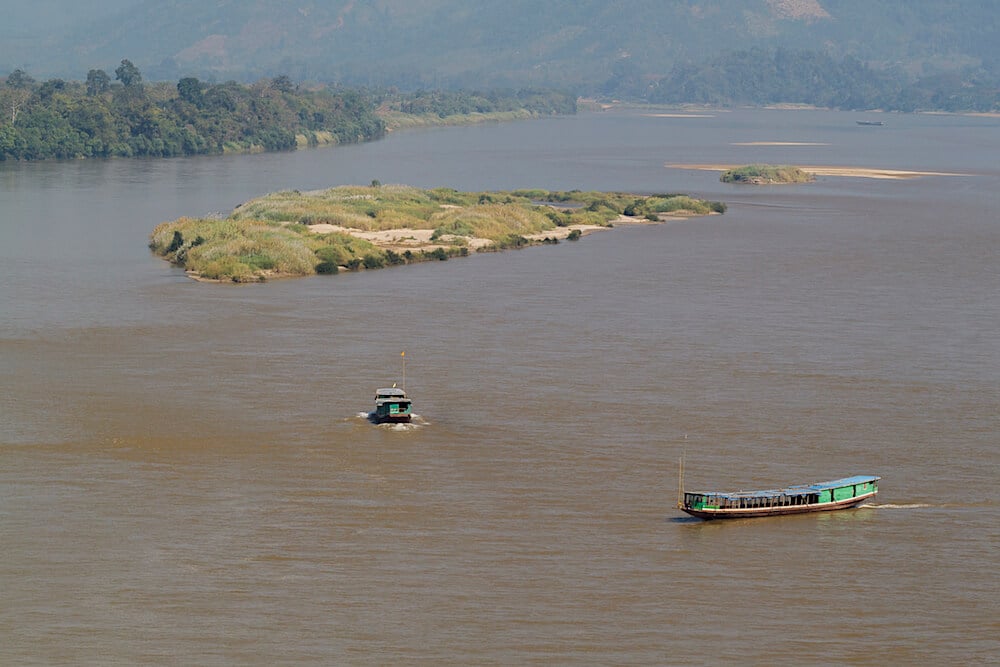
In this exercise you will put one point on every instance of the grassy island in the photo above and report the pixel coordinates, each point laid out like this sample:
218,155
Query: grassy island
294,233
766,174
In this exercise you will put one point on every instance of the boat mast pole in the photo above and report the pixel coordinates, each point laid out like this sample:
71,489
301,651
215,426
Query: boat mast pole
680,483
680,479
402,355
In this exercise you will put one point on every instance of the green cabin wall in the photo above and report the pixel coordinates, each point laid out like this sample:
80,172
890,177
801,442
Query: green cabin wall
700,502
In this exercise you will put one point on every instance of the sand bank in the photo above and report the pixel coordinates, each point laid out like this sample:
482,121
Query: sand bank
820,170
400,240
679,115
780,143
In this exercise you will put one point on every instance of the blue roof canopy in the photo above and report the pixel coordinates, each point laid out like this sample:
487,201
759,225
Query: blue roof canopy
797,490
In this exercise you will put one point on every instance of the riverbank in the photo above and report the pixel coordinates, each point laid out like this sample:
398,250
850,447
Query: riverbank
395,120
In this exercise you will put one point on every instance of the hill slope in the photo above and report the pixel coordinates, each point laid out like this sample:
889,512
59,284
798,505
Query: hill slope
469,43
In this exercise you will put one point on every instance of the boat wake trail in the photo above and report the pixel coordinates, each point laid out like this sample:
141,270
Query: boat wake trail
894,506
416,422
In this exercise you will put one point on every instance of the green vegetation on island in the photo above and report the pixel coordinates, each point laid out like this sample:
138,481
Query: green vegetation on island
293,233
765,174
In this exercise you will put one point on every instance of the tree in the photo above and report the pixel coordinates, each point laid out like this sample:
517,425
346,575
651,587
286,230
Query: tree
19,79
50,88
128,74
189,90
18,92
282,84
98,82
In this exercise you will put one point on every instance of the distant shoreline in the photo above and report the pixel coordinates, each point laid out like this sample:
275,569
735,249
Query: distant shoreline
701,111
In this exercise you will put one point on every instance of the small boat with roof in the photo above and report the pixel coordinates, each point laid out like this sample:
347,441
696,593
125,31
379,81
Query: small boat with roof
836,494
392,405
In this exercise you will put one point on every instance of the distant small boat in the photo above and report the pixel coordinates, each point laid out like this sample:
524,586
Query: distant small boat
838,494
870,122
392,406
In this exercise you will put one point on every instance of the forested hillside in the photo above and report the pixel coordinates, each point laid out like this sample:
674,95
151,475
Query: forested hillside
917,54
761,77
477,43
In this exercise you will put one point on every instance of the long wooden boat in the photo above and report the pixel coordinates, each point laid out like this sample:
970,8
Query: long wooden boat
837,494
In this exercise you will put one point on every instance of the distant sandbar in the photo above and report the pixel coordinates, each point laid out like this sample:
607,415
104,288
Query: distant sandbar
780,143
679,115
855,172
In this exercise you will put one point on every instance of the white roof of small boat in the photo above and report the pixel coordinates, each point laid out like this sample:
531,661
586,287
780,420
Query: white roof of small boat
390,391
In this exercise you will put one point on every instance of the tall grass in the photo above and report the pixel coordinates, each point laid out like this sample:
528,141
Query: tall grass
276,235
241,251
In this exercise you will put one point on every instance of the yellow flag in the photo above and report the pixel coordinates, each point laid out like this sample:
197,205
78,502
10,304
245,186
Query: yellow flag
402,354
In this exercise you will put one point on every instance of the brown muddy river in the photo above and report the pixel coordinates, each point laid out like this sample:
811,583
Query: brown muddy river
188,477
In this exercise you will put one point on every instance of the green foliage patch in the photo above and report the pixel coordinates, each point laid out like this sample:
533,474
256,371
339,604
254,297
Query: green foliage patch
130,118
279,234
766,174
66,119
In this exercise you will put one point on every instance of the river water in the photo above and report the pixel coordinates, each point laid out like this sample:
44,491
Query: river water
187,476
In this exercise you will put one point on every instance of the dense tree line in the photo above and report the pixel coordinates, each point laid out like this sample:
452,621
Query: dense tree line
126,117
452,103
761,77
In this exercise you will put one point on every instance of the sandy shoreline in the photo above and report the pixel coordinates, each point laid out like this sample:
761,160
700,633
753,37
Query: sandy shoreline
821,170
401,240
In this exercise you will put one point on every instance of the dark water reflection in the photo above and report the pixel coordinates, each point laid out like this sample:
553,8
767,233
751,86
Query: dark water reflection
188,476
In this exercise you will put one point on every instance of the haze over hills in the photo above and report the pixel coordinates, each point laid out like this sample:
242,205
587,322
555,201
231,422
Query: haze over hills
580,45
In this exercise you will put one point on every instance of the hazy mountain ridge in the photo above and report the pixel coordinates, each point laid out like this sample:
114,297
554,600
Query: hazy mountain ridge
458,43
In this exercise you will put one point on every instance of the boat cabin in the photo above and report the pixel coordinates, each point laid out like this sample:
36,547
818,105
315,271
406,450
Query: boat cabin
825,495
392,405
